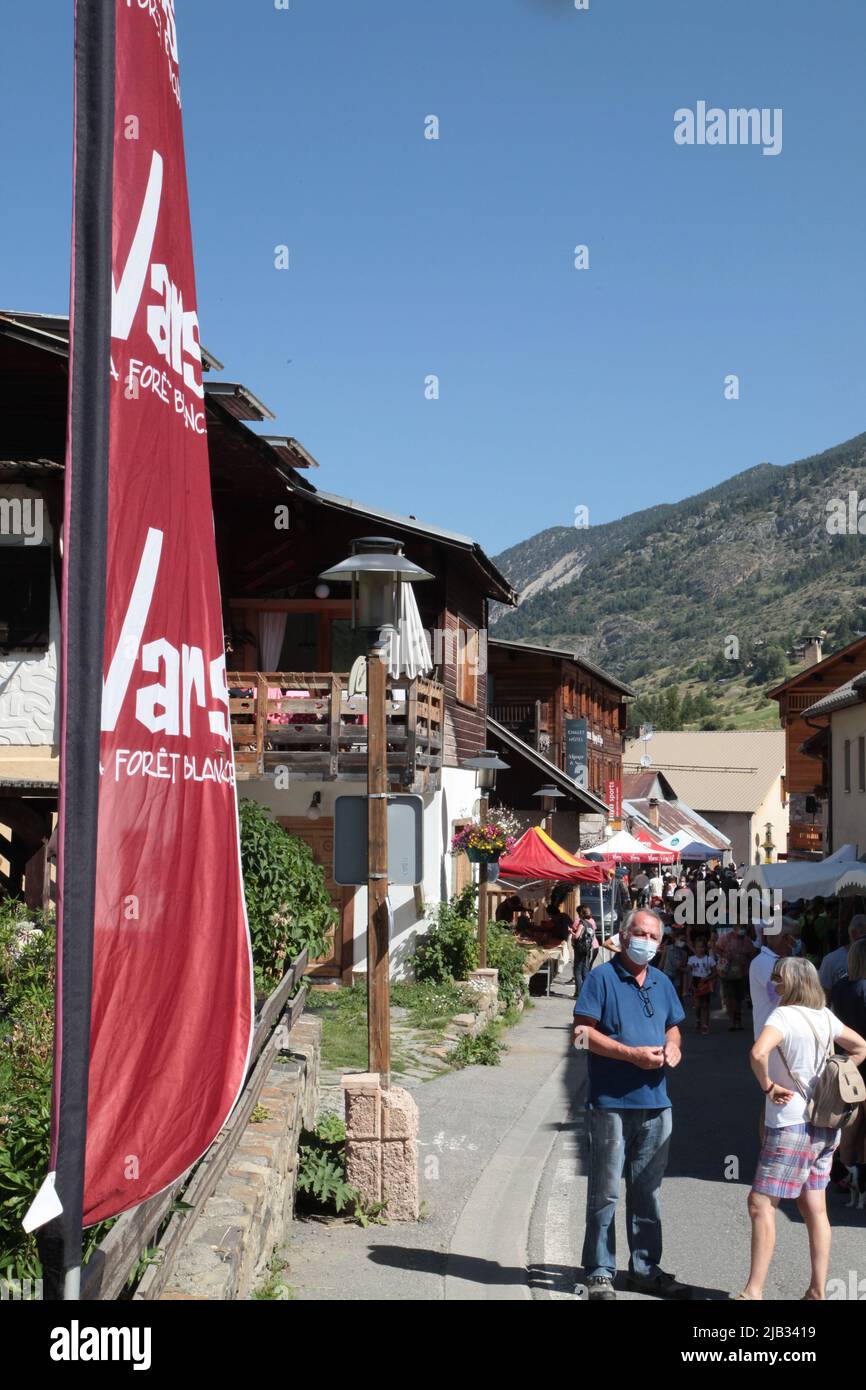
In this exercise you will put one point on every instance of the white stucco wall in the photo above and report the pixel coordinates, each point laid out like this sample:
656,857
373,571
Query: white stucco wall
454,800
28,680
849,808
772,809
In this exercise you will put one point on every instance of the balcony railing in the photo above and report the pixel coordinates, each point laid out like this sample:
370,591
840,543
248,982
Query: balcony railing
528,719
307,722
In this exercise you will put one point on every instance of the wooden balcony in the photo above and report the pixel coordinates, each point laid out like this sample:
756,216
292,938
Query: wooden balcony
528,719
306,722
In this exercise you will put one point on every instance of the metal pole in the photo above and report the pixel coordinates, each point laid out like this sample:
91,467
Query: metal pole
482,894
378,965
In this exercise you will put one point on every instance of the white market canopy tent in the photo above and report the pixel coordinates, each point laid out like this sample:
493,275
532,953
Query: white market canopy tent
801,878
627,849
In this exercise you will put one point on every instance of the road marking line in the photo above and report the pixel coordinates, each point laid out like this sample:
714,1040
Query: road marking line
560,1220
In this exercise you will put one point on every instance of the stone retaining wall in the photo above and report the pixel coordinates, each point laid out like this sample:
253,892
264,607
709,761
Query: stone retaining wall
230,1243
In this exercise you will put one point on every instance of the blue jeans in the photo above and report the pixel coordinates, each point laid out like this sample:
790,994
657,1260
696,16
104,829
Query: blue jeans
634,1142
581,970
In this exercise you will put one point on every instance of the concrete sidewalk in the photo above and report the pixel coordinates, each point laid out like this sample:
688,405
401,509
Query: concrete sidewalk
485,1135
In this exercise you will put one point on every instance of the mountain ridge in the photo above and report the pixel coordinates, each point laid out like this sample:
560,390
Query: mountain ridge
657,595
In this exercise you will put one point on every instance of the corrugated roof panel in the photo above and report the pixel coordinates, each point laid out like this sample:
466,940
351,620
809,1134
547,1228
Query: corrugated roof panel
719,770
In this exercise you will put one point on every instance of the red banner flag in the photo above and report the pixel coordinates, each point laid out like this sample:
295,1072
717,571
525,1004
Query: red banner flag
171,1009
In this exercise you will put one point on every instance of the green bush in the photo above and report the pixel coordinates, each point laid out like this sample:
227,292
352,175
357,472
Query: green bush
505,954
449,949
287,904
485,1050
27,943
27,970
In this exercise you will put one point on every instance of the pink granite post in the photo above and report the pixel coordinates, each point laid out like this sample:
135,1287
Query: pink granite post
382,1144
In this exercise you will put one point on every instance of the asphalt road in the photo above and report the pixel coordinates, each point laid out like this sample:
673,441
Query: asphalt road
503,1182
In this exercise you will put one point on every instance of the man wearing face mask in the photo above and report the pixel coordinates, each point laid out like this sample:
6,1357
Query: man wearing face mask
778,942
627,1019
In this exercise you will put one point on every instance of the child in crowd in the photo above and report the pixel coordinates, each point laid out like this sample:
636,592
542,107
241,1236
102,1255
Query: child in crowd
676,955
702,970
584,945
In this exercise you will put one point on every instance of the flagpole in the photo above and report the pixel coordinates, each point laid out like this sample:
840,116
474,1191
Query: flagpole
83,625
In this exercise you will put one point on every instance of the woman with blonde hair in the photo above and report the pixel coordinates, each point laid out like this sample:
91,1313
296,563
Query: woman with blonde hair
795,1160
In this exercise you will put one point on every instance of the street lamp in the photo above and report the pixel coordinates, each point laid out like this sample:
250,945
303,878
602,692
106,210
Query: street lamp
375,569
549,797
486,766
769,844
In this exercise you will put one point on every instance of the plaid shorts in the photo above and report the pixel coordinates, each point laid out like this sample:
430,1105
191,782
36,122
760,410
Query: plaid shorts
795,1158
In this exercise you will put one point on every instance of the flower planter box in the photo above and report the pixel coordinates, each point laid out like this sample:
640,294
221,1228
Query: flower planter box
481,856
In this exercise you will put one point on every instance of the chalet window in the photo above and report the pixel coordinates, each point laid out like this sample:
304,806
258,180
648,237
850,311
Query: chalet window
25,597
467,663
861,762
300,651
847,756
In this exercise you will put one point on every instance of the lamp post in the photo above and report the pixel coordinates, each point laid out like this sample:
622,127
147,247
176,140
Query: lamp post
486,766
549,796
769,844
376,569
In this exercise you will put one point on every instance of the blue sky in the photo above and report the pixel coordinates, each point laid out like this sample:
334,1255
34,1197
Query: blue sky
410,257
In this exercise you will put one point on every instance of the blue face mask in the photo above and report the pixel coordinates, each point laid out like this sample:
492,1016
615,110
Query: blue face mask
641,949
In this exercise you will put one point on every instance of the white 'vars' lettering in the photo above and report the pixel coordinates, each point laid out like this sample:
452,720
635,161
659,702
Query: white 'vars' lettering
163,706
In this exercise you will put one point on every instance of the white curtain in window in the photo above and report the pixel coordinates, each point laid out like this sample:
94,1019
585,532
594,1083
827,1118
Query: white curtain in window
272,631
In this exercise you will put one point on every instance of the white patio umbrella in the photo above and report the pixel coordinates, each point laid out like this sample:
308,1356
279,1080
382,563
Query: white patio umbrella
409,653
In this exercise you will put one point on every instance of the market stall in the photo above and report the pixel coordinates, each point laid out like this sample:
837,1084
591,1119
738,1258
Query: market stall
797,879
623,848
538,859
536,855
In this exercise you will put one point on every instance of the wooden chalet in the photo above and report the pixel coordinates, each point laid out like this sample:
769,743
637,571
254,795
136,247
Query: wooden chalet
299,735
538,695
806,738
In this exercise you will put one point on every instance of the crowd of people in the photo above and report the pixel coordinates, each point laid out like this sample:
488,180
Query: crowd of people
802,977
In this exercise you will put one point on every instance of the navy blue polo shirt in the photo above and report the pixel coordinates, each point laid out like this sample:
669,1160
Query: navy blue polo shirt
611,997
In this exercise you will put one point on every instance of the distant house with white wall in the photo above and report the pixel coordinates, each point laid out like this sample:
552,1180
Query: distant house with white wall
650,801
734,779
843,754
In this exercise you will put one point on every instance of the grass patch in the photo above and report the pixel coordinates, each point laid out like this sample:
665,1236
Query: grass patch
344,1026
429,1009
